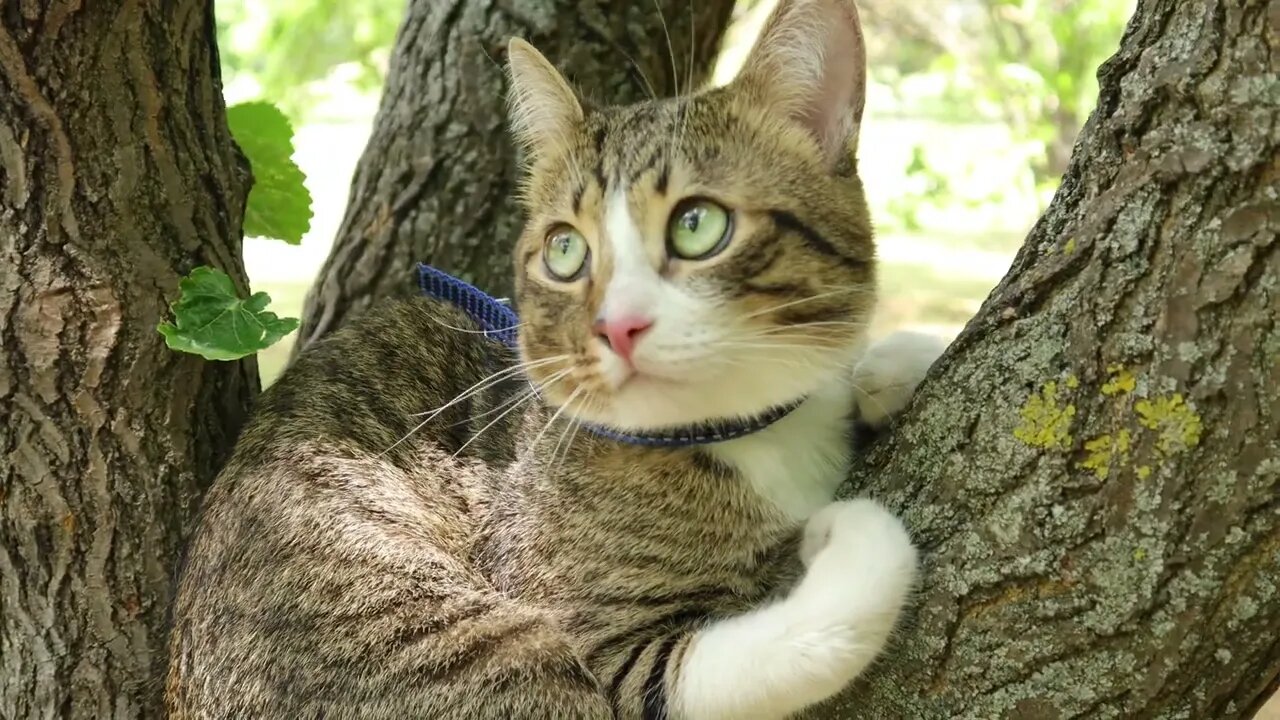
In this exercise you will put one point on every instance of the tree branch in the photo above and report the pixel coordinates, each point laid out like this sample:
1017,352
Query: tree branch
1092,466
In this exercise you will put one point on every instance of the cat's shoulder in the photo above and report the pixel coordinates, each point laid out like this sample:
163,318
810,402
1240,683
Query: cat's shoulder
373,382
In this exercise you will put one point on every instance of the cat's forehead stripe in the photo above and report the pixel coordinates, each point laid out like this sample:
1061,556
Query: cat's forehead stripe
627,146
602,134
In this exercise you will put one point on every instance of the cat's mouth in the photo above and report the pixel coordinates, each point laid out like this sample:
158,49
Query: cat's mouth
641,381
640,374
633,382
643,400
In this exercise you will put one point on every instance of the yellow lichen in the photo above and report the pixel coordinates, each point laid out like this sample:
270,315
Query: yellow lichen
1045,423
1073,382
1102,450
1121,381
1144,472
1140,554
1069,246
1177,425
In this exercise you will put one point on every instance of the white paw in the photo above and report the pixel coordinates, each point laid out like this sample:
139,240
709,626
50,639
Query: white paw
886,377
860,559
861,569
789,655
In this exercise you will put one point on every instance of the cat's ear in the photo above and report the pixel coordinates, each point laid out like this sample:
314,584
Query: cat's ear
811,63
544,108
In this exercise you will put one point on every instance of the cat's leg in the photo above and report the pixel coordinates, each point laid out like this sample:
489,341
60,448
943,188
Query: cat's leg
510,662
801,650
381,649
886,377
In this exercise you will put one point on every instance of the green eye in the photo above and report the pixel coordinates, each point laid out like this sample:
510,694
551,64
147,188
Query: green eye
699,229
565,254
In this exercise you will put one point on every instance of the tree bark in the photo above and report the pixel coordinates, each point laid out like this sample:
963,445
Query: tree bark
437,180
1092,467
117,176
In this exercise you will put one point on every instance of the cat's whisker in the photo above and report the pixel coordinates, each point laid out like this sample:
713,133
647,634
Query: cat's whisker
493,379
574,424
648,86
770,343
829,338
577,426
487,383
789,364
839,331
500,407
534,389
556,450
800,301
688,86
682,126
805,361
508,411
870,290
782,341
693,44
554,417
484,50
767,338
861,324
444,324
675,74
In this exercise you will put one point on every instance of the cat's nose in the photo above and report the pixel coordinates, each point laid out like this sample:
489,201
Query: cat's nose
622,333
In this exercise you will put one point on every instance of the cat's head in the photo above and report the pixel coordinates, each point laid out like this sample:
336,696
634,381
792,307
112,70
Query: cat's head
703,257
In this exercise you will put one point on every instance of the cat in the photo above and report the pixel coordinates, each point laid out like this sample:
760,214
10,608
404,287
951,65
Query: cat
628,515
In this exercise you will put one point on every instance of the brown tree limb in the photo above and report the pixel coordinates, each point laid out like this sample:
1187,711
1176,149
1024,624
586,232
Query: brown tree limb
1093,465
117,176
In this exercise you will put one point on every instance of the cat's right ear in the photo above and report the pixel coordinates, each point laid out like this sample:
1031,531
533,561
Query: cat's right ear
544,108
811,63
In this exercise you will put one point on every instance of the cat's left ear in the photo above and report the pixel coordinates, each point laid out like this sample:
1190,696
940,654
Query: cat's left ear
811,62
544,108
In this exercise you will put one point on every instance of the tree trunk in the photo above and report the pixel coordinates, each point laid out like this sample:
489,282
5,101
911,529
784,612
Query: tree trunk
117,175
437,179
1092,467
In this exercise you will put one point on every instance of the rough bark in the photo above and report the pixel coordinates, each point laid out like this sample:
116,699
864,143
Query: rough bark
1096,548
117,175
437,180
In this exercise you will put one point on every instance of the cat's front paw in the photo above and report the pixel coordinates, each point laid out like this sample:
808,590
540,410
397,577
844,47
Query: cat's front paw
861,570
792,654
860,560
886,377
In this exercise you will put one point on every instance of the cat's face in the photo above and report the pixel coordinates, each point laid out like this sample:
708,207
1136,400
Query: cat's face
685,260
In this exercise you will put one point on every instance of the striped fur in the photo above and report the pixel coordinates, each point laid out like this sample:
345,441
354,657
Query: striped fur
492,561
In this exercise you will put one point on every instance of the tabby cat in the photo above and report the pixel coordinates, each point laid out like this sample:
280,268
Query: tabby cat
421,523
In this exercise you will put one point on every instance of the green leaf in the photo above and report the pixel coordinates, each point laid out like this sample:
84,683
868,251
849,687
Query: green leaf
279,203
210,320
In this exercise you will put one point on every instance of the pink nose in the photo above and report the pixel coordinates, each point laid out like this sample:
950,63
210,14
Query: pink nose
621,334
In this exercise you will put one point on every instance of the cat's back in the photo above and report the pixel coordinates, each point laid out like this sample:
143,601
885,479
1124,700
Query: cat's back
339,525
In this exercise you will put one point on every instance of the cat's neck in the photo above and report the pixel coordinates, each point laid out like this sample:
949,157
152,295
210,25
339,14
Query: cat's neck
797,463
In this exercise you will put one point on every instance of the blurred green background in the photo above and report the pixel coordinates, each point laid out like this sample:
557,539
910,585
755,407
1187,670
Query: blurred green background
972,110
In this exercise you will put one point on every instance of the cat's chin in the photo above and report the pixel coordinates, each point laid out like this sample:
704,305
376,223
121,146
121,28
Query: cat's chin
647,402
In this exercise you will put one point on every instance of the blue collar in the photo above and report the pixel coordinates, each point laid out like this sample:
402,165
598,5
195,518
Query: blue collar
497,320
